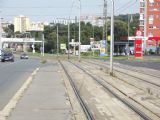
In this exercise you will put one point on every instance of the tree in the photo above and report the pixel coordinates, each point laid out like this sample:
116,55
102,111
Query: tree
9,30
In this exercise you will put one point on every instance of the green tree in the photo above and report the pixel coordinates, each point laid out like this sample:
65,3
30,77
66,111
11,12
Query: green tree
9,31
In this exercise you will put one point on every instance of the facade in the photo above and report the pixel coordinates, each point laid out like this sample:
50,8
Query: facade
150,21
21,24
36,26
94,20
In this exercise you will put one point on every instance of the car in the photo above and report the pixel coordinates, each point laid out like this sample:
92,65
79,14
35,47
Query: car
24,56
7,56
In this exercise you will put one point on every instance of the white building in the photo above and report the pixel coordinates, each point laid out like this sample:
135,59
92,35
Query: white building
36,26
21,24
94,20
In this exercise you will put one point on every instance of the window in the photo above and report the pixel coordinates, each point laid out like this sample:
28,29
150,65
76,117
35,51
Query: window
150,27
151,17
150,21
150,34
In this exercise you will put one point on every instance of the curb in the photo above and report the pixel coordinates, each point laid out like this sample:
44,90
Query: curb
13,102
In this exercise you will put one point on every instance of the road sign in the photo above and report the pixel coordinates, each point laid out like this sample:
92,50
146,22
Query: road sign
138,33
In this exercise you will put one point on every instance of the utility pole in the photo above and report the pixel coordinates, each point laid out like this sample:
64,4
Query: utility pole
79,55
43,44
112,39
57,42
1,33
127,46
105,20
68,37
145,23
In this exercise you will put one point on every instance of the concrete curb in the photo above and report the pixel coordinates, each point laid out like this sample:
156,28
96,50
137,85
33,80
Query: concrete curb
13,102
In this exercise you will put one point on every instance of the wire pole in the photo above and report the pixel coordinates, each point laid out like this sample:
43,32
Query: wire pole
145,23
43,45
127,46
0,33
112,38
79,54
68,37
57,42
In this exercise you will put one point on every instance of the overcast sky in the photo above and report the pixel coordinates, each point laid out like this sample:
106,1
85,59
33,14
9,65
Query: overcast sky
47,10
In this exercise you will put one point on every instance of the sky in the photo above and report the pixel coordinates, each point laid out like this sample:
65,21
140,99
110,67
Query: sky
47,10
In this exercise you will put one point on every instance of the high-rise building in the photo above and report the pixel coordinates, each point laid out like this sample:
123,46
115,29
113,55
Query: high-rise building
150,20
21,24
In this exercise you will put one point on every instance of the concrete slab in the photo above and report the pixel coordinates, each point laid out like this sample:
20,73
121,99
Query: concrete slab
45,99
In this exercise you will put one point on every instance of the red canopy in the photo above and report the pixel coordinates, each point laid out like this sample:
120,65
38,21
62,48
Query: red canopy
153,38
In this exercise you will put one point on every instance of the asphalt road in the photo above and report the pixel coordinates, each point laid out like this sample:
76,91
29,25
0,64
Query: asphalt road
13,75
146,64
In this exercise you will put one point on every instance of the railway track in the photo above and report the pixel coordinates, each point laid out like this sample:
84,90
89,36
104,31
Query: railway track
85,108
125,101
131,69
147,81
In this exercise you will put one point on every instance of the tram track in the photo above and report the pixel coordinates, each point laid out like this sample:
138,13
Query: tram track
116,70
125,101
127,67
85,108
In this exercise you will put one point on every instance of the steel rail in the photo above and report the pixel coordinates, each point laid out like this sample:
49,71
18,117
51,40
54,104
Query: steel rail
128,74
139,112
85,108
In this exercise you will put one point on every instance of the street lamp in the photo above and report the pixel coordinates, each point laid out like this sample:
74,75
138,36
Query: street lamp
112,39
43,45
1,33
68,37
79,54
57,41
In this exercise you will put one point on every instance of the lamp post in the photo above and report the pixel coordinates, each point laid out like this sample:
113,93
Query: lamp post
79,54
43,45
57,42
68,37
1,33
112,38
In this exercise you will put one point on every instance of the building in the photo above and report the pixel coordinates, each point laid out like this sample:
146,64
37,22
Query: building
21,24
36,26
150,22
94,20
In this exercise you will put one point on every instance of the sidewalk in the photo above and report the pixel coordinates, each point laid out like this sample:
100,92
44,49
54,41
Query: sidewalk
45,98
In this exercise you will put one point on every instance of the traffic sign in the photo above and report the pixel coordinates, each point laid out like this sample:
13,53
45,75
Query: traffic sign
138,33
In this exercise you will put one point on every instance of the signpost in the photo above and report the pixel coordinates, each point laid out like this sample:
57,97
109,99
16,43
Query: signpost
138,44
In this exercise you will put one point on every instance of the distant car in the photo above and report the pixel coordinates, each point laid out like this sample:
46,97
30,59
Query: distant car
7,56
24,56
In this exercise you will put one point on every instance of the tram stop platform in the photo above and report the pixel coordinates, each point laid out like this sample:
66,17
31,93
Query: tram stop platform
45,99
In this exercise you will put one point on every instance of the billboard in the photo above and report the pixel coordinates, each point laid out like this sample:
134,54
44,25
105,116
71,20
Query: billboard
95,45
103,48
63,46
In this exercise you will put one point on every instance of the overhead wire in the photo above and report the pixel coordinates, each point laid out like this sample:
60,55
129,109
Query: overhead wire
126,6
120,9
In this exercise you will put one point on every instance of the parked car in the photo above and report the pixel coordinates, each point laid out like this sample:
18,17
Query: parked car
24,56
7,56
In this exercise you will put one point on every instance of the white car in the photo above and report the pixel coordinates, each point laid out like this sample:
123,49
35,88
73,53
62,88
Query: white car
24,56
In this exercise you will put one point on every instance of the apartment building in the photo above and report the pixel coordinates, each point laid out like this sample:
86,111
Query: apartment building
21,24
150,21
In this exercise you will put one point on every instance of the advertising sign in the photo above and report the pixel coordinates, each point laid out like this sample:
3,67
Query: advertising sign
103,45
138,44
63,46
95,45
85,48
